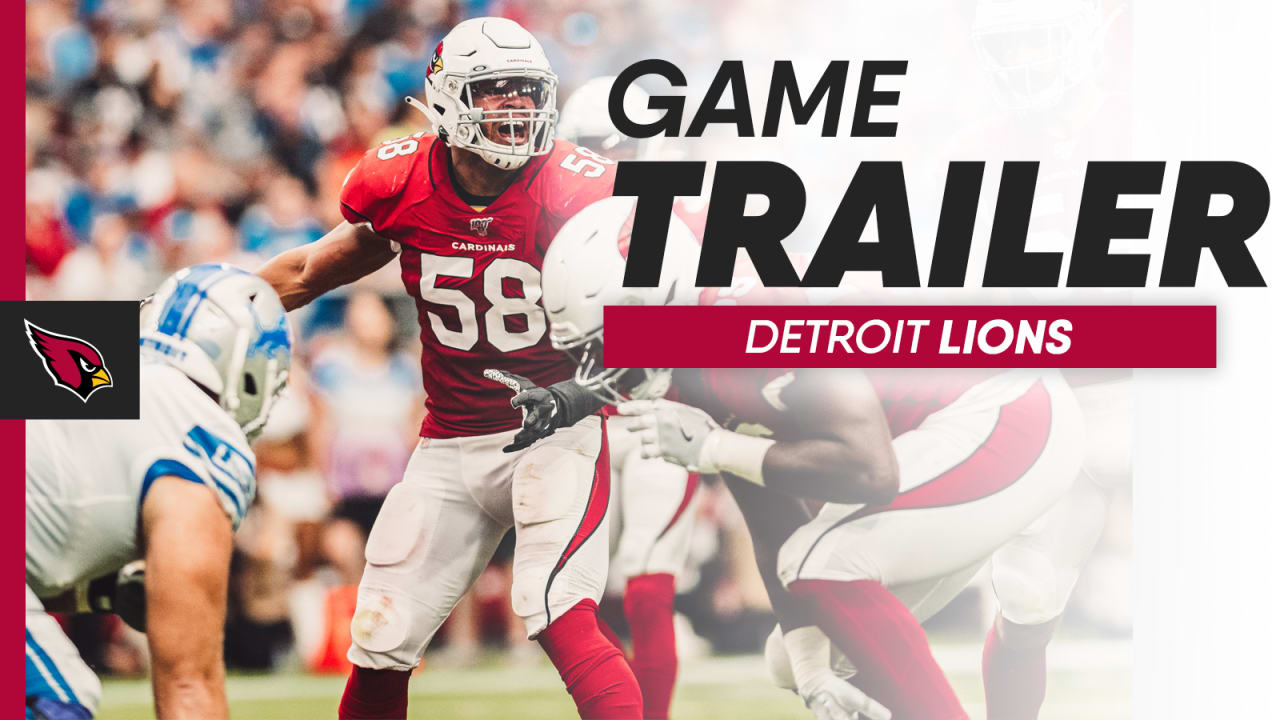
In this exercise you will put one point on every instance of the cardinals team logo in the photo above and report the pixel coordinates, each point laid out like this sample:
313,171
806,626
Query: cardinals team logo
73,363
437,64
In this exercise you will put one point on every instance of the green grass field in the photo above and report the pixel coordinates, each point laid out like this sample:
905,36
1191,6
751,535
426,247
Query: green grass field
1088,679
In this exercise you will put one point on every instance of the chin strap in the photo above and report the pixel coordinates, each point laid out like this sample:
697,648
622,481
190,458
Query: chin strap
416,103
422,108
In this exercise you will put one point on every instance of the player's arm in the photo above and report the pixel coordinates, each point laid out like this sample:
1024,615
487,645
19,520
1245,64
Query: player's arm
841,451
347,253
845,450
187,538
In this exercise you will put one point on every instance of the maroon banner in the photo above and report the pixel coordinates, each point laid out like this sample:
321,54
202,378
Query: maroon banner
927,336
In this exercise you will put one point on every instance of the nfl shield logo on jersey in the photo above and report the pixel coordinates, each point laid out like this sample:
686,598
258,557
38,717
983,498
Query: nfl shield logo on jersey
480,226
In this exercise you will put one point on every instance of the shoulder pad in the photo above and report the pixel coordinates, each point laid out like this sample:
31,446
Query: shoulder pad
375,188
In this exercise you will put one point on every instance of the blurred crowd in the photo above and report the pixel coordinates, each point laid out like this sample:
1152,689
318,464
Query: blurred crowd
164,133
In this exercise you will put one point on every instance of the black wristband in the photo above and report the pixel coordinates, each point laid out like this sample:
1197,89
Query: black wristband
574,401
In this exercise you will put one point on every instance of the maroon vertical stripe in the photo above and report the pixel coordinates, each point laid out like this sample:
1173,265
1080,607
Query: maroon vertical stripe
592,515
13,287
690,487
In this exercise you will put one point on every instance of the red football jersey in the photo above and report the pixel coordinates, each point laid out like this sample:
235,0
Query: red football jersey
752,396
476,275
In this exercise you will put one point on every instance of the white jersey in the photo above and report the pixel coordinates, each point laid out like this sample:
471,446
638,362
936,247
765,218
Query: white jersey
87,479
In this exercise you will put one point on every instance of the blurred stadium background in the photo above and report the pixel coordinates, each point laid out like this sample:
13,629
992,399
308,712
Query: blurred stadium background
166,133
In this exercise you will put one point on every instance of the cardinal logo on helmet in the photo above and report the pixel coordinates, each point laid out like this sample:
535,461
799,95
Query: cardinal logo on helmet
73,363
437,64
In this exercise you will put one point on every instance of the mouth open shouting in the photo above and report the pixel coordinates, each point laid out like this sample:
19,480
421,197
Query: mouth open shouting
509,106
508,132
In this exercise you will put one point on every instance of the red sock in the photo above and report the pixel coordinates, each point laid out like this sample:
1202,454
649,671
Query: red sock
648,605
594,671
375,695
887,645
1014,677
612,636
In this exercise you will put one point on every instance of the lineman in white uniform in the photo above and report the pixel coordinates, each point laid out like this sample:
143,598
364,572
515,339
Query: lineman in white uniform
101,494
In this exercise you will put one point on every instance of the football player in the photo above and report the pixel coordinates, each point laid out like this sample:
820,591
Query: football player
169,488
1057,68
925,475
469,209
653,502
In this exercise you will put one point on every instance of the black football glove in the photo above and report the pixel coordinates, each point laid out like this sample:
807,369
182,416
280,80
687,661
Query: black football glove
545,409
538,405
123,593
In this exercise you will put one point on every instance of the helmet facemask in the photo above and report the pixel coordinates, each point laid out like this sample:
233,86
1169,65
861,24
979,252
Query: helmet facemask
1030,68
254,383
506,116
1036,54
612,385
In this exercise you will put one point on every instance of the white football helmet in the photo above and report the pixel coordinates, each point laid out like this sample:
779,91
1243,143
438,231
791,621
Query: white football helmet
583,272
226,330
492,58
585,121
1037,50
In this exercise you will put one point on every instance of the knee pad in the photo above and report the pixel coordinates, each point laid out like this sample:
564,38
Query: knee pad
403,524
380,631
1029,588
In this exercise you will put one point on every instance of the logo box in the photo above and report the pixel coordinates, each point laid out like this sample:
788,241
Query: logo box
53,341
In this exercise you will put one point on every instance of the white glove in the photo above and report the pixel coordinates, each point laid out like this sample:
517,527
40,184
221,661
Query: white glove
672,431
831,698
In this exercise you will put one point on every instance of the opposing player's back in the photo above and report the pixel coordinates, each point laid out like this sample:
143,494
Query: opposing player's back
87,479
